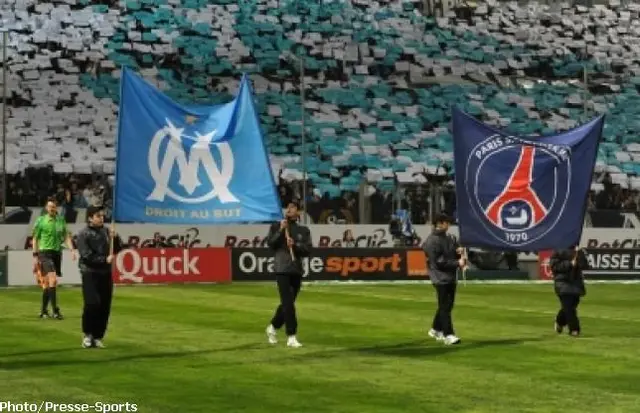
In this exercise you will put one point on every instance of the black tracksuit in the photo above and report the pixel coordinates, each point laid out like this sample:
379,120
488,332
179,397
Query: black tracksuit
569,286
288,272
97,282
442,259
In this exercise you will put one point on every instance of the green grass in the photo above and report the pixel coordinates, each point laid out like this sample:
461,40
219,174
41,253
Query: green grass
202,349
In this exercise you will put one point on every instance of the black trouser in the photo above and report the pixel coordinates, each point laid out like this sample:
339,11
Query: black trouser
288,287
97,291
446,297
568,314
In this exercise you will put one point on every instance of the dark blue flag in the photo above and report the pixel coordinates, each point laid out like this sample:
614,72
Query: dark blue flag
180,164
522,194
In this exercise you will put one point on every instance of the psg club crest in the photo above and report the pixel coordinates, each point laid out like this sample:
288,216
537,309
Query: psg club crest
518,190
522,194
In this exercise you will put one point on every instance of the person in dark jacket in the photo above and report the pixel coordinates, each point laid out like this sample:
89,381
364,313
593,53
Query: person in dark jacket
444,259
291,242
567,267
94,245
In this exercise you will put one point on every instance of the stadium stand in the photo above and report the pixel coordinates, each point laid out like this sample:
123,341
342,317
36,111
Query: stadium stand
379,82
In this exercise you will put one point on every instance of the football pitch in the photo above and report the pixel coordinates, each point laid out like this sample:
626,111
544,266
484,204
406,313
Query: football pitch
203,349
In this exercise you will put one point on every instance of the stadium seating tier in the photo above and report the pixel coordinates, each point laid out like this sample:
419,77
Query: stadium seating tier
380,78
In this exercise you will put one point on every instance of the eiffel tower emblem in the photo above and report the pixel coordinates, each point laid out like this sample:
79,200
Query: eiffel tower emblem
518,188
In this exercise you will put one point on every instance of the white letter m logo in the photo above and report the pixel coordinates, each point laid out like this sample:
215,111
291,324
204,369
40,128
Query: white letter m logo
200,154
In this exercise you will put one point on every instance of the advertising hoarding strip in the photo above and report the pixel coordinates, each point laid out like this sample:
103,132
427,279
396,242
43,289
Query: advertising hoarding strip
139,266
604,263
3,269
172,265
618,261
164,266
16,236
603,281
350,264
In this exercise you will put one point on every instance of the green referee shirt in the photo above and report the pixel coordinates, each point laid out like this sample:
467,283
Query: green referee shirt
50,232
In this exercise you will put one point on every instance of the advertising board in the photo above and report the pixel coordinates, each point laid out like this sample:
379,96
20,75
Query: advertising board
604,263
139,266
616,264
544,270
324,236
172,265
330,264
20,269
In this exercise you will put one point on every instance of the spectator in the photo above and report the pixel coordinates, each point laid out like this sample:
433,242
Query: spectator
79,201
630,205
67,205
87,194
27,189
98,196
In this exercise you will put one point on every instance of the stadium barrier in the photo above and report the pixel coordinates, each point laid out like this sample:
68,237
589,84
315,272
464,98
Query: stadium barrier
332,264
137,266
604,264
17,236
3,268
352,264
224,265
172,265
20,269
613,264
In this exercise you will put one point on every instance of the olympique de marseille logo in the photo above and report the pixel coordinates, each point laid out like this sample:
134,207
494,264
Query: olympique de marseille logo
518,189
161,166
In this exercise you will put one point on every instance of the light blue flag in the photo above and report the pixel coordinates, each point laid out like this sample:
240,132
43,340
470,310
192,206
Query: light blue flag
190,165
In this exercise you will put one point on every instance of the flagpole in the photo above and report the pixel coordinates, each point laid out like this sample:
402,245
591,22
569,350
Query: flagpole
304,142
586,92
114,193
465,256
5,36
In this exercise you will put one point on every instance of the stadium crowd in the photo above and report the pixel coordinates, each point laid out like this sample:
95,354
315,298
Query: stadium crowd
380,80
73,191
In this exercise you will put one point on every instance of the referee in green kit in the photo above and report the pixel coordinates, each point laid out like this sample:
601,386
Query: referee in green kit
49,233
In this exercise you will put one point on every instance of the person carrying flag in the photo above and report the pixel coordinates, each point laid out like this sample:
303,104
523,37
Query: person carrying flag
444,258
96,259
567,267
49,234
291,242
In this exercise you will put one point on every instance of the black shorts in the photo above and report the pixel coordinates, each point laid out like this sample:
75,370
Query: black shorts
51,261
